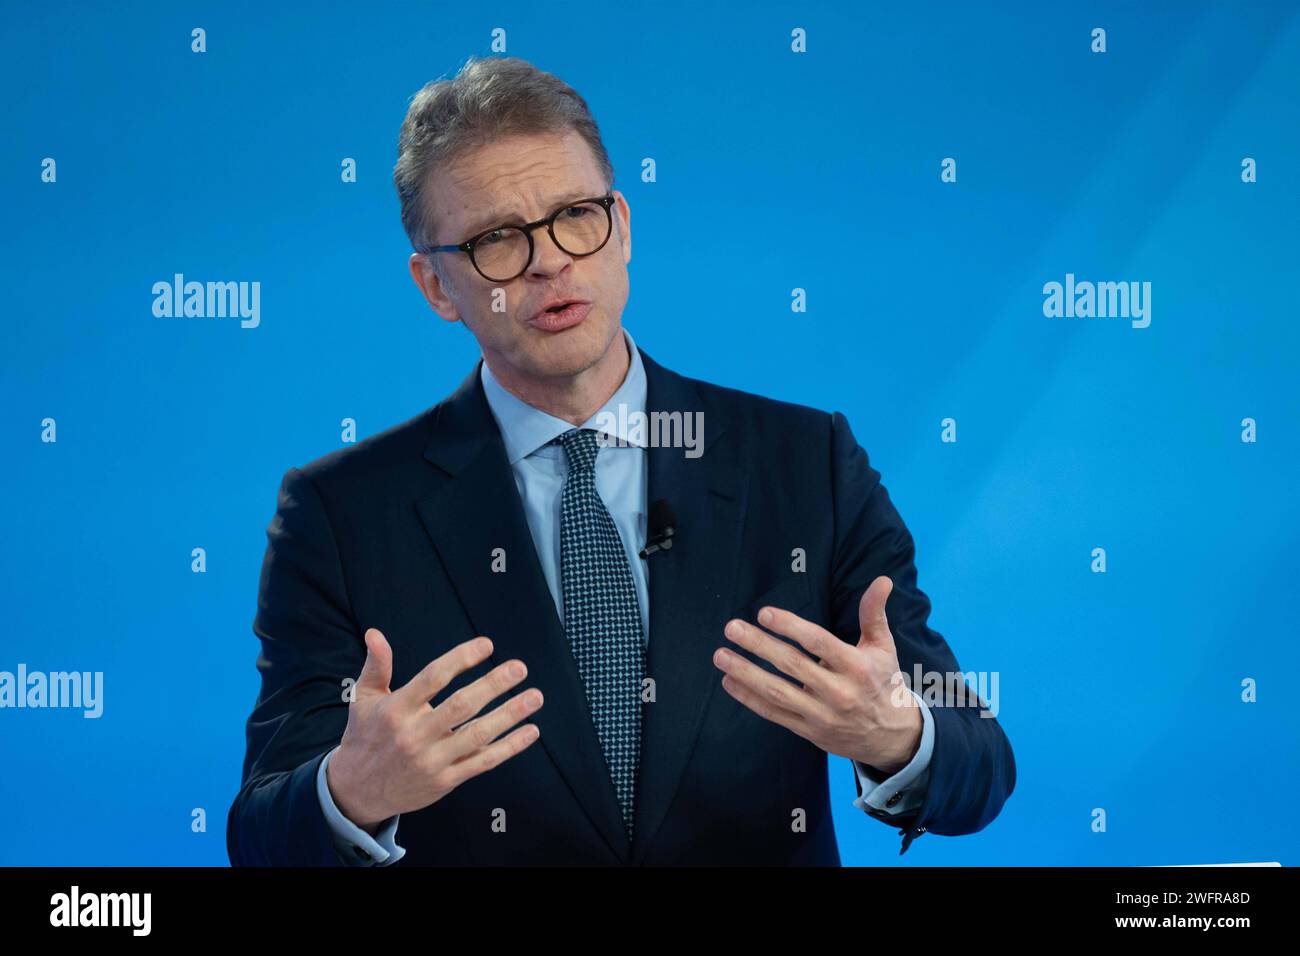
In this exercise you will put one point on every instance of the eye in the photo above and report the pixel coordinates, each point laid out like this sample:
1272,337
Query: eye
490,238
580,210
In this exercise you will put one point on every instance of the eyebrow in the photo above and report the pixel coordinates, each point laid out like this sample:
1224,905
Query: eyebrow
494,219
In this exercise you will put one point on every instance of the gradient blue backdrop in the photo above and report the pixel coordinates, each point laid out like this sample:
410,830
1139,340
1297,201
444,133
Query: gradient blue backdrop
775,171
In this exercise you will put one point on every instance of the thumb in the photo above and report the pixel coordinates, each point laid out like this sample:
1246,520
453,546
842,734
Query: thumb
871,614
378,669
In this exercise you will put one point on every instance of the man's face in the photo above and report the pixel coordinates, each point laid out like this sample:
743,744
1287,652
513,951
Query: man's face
514,181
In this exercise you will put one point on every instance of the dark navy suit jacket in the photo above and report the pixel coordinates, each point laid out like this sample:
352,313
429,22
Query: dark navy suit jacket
398,532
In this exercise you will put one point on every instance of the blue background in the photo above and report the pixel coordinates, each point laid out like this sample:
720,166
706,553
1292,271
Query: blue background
818,171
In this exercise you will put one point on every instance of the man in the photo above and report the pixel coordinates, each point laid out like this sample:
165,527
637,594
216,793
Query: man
688,631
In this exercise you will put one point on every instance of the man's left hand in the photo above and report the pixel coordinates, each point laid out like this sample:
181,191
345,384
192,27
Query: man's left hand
848,700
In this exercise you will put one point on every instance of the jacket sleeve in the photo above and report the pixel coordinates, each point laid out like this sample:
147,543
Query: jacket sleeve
310,645
972,768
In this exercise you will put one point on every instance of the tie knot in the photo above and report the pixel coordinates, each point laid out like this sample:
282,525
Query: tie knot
580,447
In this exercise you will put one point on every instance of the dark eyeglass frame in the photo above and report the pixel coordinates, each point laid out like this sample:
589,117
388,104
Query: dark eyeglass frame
468,245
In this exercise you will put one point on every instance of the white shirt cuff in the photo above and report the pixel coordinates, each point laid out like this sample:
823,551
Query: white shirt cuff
355,845
905,790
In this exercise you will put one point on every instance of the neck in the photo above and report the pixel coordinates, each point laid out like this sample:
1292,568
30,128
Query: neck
576,398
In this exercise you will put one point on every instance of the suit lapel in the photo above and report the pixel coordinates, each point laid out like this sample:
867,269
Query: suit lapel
691,592
475,510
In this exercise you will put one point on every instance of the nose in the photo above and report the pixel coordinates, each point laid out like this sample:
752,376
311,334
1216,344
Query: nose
548,258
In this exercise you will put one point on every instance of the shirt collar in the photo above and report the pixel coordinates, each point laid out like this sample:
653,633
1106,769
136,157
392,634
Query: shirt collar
524,429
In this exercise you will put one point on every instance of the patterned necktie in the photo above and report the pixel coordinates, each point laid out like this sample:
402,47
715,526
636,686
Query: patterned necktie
602,619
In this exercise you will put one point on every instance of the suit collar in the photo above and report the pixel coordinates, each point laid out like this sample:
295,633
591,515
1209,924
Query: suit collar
464,420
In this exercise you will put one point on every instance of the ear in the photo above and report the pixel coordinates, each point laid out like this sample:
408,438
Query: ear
623,224
432,287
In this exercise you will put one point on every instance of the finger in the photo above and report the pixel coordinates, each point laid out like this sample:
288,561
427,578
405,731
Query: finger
816,640
488,757
765,709
377,671
482,731
871,615
468,701
777,691
789,660
439,672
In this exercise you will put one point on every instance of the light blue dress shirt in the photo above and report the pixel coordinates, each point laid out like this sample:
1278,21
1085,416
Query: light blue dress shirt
621,479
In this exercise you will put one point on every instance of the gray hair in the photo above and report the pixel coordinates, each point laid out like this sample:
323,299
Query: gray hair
488,99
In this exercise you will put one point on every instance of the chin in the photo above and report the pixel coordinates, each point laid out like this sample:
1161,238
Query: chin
571,352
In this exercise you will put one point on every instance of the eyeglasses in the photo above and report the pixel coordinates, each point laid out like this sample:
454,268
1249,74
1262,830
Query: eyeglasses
503,253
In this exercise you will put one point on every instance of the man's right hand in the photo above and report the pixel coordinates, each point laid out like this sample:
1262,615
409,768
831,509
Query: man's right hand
399,754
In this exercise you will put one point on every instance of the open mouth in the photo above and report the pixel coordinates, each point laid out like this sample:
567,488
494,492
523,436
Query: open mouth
561,316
